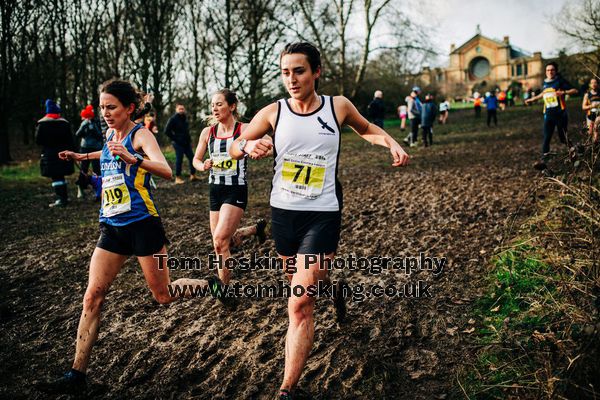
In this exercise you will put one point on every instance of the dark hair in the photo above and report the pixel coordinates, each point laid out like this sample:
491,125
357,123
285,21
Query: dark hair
309,50
231,99
124,91
552,63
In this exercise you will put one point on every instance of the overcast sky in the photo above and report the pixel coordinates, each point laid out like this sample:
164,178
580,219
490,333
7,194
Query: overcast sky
526,22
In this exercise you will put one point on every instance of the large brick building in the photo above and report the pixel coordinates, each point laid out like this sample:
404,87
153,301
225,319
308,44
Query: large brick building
483,63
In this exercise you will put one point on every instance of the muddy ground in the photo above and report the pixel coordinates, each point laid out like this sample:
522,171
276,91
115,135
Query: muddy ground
457,199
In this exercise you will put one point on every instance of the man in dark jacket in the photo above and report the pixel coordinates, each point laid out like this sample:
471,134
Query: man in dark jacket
377,109
428,114
53,133
178,131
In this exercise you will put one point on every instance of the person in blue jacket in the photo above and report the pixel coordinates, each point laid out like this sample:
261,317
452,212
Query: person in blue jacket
491,104
427,118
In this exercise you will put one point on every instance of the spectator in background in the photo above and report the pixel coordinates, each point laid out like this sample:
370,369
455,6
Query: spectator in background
510,97
491,103
91,140
402,114
377,109
414,106
53,133
501,99
444,109
178,131
427,119
150,123
477,104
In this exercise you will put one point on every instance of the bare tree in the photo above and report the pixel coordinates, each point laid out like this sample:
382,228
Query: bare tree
224,24
154,45
345,57
257,66
194,59
580,22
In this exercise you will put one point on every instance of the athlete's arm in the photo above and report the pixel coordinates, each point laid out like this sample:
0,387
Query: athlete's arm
199,163
570,92
349,115
259,148
586,104
262,123
156,163
71,155
534,98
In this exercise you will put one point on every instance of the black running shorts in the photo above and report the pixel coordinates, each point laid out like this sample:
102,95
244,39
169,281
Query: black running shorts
140,238
236,195
305,232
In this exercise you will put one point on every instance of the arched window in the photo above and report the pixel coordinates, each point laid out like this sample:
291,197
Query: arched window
479,68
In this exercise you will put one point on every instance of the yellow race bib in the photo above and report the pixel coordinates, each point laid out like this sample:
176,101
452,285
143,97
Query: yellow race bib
550,99
115,195
223,164
303,175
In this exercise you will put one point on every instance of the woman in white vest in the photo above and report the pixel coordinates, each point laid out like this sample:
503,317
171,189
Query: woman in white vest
227,179
306,198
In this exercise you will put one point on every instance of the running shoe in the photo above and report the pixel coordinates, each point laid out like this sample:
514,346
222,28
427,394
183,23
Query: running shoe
285,394
339,301
218,290
72,382
260,230
540,165
58,203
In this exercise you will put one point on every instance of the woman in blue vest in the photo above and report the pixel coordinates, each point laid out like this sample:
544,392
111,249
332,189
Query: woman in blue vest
129,220
227,181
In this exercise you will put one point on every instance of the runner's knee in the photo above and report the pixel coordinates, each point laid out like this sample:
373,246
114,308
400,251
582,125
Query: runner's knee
221,243
93,299
300,308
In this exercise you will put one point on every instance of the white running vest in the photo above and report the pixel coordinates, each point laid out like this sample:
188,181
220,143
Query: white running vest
306,151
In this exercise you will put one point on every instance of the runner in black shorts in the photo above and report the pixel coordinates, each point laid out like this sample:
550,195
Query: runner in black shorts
227,181
129,220
306,197
591,105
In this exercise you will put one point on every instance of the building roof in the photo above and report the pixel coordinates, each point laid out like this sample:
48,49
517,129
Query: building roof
515,52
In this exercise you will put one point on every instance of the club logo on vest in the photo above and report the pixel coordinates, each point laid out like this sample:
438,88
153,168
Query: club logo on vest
110,165
324,125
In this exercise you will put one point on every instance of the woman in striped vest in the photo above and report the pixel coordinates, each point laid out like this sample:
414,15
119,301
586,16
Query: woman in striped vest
227,179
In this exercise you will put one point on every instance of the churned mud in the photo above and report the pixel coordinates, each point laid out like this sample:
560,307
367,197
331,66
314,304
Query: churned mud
457,199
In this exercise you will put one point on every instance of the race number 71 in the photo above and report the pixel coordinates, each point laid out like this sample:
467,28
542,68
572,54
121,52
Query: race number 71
300,168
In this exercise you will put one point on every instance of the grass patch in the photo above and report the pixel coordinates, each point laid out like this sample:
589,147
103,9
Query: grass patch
509,315
538,333
23,171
